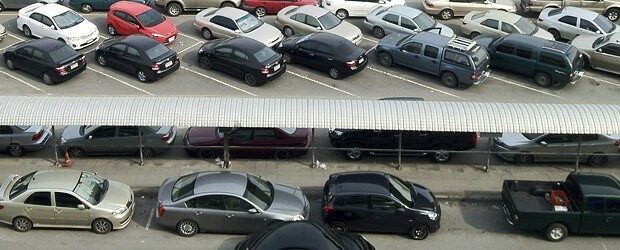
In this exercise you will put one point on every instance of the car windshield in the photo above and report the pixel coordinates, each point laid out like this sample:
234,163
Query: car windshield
497,42
24,128
264,54
526,26
400,191
601,40
87,129
604,23
151,18
329,21
479,55
259,192
424,21
156,51
21,185
91,188
531,136
67,19
62,53
184,187
248,23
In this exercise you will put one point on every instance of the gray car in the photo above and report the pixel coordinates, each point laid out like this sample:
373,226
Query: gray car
569,22
527,148
609,8
383,21
229,202
601,52
495,23
81,141
176,7
19,139
18,4
294,20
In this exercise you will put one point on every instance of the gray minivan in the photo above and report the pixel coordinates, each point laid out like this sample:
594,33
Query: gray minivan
458,61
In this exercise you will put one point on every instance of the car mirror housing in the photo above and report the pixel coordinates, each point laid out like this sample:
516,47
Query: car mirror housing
252,211
81,207
400,210
238,31
381,2
319,28
89,137
544,143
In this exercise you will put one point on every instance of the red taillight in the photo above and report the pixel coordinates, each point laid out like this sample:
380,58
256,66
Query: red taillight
166,137
328,209
264,70
473,76
427,2
37,135
155,67
160,210
617,143
351,64
1,207
474,138
61,71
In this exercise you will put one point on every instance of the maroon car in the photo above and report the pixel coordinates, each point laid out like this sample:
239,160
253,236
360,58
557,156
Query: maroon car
279,143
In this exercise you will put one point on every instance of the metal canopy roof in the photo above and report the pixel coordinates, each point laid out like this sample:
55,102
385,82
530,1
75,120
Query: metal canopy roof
317,113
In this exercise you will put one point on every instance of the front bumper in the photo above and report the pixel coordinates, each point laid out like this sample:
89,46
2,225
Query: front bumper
120,223
577,77
485,74
507,214
83,43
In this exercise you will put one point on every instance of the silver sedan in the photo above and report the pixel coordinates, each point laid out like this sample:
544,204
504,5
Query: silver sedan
495,23
231,202
569,22
383,21
601,52
306,19
20,139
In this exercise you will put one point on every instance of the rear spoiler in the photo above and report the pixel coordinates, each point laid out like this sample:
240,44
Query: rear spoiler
29,8
4,186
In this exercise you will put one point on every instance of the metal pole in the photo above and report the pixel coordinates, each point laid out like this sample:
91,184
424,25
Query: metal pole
140,146
400,150
486,168
578,152
226,152
313,164
55,145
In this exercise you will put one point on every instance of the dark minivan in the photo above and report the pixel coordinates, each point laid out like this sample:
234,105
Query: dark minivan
379,202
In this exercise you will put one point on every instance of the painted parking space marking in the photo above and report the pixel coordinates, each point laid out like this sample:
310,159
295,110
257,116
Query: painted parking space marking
16,37
526,87
371,40
602,80
218,81
3,48
119,80
414,82
22,81
191,37
322,84
148,222
183,50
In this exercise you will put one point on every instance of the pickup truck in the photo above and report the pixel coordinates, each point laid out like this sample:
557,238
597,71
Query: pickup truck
585,203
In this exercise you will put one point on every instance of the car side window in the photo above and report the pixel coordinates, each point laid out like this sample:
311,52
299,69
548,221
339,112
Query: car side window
47,21
491,23
611,49
27,52
224,22
324,49
206,202
391,18
104,132
223,52
242,134
133,52
587,25
39,198
131,19
312,22
264,134
299,17
5,130
66,200
508,28
356,201
430,51
505,48
551,59
407,23
595,204
232,203
127,131
36,16
457,58
383,204
120,14
555,138
582,138
570,20
118,48
413,47
524,52
612,206
240,55
309,45
38,55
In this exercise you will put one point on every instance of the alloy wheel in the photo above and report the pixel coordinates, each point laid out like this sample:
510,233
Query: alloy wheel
102,226
47,79
16,150
86,8
333,73
9,64
260,11
22,224
142,76
102,61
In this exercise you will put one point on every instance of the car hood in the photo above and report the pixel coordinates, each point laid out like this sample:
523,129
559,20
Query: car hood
265,34
346,30
442,30
544,34
165,28
203,136
583,42
71,132
506,3
118,195
85,28
287,200
392,39
512,139
424,199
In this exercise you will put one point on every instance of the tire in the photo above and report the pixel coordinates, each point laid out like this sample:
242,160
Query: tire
142,76
449,79
27,31
15,150
187,228
556,232
76,152
442,156
174,9
385,59
542,79
205,63
339,227
342,14
22,224
148,153
102,61
207,34
288,31
474,35
101,226
353,154
378,32
613,14
418,232
287,57
228,4
555,33
47,78
9,64
260,11
205,154
446,14
523,159
112,30
86,8
597,160
249,79
282,155
586,62
1,7
334,73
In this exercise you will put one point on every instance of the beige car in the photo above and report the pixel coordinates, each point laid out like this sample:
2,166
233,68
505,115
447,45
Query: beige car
176,7
65,198
446,9
293,20
608,8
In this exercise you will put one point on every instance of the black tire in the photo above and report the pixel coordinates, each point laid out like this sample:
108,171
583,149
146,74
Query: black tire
442,156
205,63
174,9
446,14
228,4
9,64
207,34
112,30
27,31
556,232
353,154
148,152
86,8
22,224
101,226
47,78
418,232
586,62
543,79
378,32
342,14
385,59
15,150
334,73
282,155
102,61
76,152
613,14
523,159
187,228
249,79
339,227
597,160
449,79
288,31
142,77
260,11
1,7
474,35
205,154
555,33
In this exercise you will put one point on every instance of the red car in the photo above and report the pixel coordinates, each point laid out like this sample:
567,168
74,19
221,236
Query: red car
264,7
248,142
128,18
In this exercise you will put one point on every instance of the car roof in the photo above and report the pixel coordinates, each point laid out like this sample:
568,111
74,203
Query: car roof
597,184
65,179
405,11
300,234
537,42
245,44
139,41
231,12
579,12
51,9
370,182
130,7
45,44
429,38
329,39
221,182
502,16
312,10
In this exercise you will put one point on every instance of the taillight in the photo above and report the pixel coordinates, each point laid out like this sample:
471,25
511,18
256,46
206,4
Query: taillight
351,64
617,143
264,70
473,76
427,2
328,209
571,75
37,135
160,209
474,138
166,137
61,71
1,207
155,67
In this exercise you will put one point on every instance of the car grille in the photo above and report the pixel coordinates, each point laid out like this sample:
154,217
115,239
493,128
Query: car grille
89,35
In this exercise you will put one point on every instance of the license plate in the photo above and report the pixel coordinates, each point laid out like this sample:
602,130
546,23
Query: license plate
361,60
277,67
171,39
73,66
168,64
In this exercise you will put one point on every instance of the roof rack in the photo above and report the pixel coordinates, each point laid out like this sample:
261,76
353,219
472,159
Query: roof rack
461,43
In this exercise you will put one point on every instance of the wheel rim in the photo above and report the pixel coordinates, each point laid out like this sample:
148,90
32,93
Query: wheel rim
542,80
86,8
111,30
148,153
596,160
102,226
9,63
449,80
101,60
354,153
288,31
281,155
142,76
524,159
341,14
378,32
261,11
446,14
205,154
174,10
27,31
16,150
22,224
385,60
338,228
249,79
556,233
612,16
207,34
205,63
187,228
76,152
287,57
47,79
333,72
442,156
419,233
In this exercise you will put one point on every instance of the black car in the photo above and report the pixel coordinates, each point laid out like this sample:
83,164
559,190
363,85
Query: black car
302,235
51,59
326,52
243,57
138,55
379,202
385,142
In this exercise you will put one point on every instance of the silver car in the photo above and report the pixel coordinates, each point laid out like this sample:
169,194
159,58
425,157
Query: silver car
495,23
231,22
306,19
446,9
527,148
383,21
81,141
601,52
65,198
569,22
231,202
176,7
20,139
18,4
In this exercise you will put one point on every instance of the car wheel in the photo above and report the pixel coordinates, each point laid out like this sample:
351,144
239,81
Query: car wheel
27,31
385,59
418,232
228,4
1,7
353,154
449,79
205,154
102,226
342,14
148,153
542,79
205,62
142,76
249,79
523,159
86,8
613,14
260,11
446,14
334,73
47,78
378,32
287,57
207,34
555,33
111,30
22,224
281,155
339,227
16,150
9,64
586,62
102,61
442,156
556,232
77,152
174,9
597,160
187,228
288,31
474,35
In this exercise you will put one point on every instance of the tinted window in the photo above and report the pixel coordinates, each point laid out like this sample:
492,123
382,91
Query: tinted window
309,45
555,138
299,17
505,48
151,18
240,55
612,206
131,51
406,23
356,202
156,51
323,48
36,16
611,49
118,48
391,18
570,20
551,59
264,134
224,22
184,187
524,52
206,202
508,28
66,200
413,47
61,54
456,58
312,22
5,130
383,204
329,20
38,55
491,23
21,185
232,203
587,25
120,14
264,54
39,198
128,131
45,20
595,204
131,19
243,134
104,132
223,52
431,51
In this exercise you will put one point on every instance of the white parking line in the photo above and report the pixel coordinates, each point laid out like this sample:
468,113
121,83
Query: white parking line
183,50
22,81
16,37
414,82
371,40
3,48
121,81
148,222
218,81
104,37
602,80
323,84
526,87
191,37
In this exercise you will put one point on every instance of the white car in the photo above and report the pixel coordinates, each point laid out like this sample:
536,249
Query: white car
58,22
569,22
357,8
497,23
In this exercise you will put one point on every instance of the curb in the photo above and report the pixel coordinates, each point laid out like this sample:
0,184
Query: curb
488,196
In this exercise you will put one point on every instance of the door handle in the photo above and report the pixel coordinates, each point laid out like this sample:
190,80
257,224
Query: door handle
230,215
311,54
329,59
607,219
198,212
348,214
28,209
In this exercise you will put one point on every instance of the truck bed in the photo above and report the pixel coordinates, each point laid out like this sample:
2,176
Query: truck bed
530,195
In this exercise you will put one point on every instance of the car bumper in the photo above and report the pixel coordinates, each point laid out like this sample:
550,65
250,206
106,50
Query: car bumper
430,10
38,145
162,73
270,77
120,223
577,77
501,151
368,25
80,44
482,77
507,214
62,78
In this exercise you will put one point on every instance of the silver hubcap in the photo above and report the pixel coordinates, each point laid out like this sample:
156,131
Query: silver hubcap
441,155
288,31
354,154
86,8
612,16
22,224
557,233
378,32
597,160
341,14
385,60
187,228
47,79
206,34
333,73
16,150
174,10
27,31
419,233
542,80
102,226
111,30
261,11
142,76
101,60
9,63
446,15
287,57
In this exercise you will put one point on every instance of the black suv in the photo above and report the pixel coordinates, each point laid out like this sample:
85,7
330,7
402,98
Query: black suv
386,142
379,202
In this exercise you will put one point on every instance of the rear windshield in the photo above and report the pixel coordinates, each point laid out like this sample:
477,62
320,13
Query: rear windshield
604,23
151,18
259,192
184,187
61,54
248,23
156,51
24,128
21,185
555,11
531,136
575,57
478,15
264,54
346,49
479,55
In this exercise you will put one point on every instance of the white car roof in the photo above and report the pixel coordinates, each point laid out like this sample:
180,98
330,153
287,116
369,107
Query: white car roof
502,16
405,11
579,12
51,9
312,10
230,12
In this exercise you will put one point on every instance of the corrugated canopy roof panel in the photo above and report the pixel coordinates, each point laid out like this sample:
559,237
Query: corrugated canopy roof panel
317,113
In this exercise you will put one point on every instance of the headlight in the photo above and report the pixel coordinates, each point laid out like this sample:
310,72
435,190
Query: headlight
298,217
119,211
63,140
200,51
157,35
431,215
74,39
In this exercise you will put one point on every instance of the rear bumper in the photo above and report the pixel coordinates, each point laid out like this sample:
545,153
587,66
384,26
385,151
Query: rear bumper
577,77
507,214
62,78
262,79
156,75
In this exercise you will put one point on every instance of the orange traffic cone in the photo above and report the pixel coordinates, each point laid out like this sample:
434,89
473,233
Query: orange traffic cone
68,162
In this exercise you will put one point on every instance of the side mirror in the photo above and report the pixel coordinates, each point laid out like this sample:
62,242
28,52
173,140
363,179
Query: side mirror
238,31
544,143
417,30
81,207
599,32
599,50
319,28
89,137
400,210
487,2
381,2
252,211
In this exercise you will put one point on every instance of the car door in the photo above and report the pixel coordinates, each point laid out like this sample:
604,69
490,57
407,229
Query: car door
355,212
68,211
238,64
207,211
416,140
429,61
611,221
23,57
35,25
552,148
6,136
607,57
238,218
382,139
264,139
38,63
312,23
490,27
38,208
324,57
130,60
409,55
223,26
588,28
554,64
503,56
221,58
391,23
508,28
523,60
386,218
593,216
240,140
407,26
114,56
123,25
298,21
305,53
100,141
567,25
48,28
127,140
